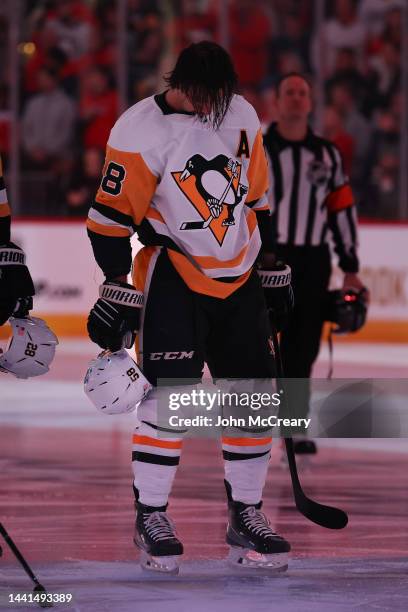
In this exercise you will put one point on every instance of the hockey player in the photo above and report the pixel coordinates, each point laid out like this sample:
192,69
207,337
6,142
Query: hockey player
31,348
16,285
186,170
312,203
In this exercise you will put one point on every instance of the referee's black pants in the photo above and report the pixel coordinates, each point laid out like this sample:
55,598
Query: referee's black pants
300,342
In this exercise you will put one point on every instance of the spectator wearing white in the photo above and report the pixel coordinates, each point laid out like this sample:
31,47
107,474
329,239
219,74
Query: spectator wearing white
48,122
72,33
343,30
373,12
387,68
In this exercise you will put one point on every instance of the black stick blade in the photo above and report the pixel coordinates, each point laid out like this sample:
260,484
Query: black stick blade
42,590
325,516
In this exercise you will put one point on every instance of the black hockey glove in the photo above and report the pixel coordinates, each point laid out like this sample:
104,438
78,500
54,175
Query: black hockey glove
278,293
16,284
115,318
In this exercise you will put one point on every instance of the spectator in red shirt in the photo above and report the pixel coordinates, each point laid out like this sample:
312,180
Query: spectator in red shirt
249,34
334,131
98,108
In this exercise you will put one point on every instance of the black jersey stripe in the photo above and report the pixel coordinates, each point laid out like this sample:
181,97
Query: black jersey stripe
294,196
277,186
339,245
149,237
113,214
332,180
323,233
252,203
352,226
311,215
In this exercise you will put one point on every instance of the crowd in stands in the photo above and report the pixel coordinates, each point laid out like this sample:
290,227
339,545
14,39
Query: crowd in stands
70,96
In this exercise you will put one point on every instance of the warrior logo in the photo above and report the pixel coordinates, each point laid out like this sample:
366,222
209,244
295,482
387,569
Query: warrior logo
318,173
213,187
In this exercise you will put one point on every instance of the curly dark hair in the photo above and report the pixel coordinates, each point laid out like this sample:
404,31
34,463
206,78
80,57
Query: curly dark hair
204,72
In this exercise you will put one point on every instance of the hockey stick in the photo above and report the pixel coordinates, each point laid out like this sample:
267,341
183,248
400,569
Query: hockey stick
325,516
38,586
191,225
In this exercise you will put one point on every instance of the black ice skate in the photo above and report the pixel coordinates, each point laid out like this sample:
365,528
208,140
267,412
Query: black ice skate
155,535
253,543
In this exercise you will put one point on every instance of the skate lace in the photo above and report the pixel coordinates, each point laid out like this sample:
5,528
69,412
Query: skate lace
256,521
159,526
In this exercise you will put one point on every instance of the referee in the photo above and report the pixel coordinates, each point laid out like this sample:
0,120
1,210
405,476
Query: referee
311,203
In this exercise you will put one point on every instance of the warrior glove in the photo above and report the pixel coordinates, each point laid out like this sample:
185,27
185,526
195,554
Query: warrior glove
115,318
16,284
278,293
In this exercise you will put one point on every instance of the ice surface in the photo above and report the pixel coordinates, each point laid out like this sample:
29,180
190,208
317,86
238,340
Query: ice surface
202,586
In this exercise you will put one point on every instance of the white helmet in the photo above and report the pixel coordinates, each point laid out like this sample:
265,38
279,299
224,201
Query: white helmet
114,383
30,349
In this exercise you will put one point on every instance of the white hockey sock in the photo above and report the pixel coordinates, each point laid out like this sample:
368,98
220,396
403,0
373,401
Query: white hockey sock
246,461
154,461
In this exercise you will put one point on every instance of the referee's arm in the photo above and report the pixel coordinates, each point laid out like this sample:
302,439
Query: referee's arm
342,217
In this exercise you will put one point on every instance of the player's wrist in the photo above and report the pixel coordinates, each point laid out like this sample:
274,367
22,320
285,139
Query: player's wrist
267,260
122,278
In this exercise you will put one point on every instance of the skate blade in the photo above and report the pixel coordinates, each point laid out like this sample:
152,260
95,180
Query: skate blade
164,565
244,558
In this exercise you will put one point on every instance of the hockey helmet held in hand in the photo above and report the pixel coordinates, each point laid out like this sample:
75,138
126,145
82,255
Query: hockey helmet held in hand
114,383
30,349
346,308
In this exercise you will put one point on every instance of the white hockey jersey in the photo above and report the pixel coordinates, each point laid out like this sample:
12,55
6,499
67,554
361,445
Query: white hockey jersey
183,185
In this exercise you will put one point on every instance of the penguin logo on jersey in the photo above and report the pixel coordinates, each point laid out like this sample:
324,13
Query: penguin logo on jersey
318,173
213,187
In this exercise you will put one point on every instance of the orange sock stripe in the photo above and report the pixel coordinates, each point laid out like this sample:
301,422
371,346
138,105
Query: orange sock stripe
246,441
146,440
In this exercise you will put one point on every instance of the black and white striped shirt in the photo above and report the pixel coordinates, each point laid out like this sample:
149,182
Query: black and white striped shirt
310,197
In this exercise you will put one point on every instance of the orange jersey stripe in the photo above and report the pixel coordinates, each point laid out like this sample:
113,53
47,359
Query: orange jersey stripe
246,441
200,283
340,199
106,230
146,440
5,210
258,170
141,265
